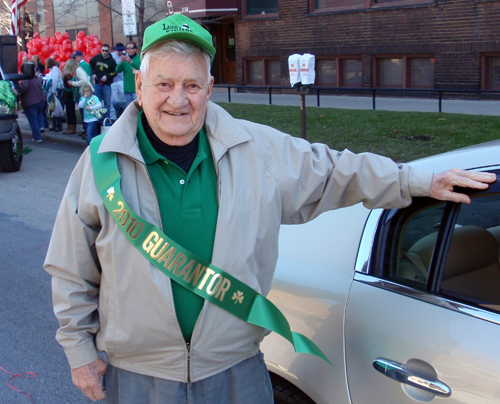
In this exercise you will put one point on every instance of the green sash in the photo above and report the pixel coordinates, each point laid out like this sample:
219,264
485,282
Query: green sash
185,268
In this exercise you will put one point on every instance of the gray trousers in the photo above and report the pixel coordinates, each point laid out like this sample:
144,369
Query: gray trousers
247,382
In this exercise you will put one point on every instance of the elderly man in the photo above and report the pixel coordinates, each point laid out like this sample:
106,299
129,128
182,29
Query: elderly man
130,258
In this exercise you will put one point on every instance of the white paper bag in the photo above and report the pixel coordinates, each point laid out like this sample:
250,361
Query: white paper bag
294,69
106,124
307,73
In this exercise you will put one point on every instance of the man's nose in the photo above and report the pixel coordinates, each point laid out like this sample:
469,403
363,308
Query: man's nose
178,98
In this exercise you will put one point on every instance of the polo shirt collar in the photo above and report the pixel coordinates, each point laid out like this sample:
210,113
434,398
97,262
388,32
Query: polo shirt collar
148,152
221,129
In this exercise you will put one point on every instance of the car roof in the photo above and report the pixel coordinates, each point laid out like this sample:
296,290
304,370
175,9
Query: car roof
476,156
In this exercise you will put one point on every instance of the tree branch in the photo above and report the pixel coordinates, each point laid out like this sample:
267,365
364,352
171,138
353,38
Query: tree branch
108,7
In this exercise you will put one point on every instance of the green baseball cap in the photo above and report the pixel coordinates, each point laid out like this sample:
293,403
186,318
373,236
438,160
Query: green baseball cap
178,26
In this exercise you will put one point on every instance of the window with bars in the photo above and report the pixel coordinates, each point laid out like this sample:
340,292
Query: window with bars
259,8
263,72
339,72
491,73
337,5
405,71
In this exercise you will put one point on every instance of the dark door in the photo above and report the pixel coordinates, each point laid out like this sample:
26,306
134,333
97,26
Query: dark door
228,62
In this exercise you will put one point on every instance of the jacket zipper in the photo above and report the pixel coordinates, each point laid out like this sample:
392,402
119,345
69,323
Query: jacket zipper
188,345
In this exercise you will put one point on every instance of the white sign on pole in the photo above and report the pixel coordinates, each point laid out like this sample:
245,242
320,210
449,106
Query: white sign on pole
128,17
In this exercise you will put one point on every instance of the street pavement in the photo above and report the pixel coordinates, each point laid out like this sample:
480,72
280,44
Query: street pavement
474,107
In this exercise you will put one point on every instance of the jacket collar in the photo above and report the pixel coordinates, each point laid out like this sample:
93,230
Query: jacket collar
222,129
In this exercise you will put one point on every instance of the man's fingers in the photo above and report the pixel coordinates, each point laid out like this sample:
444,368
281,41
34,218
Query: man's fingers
88,379
97,394
443,184
92,388
474,179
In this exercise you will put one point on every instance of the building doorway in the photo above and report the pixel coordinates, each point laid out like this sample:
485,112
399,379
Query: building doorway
227,58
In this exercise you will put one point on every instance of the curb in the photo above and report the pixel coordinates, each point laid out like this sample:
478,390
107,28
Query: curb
51,137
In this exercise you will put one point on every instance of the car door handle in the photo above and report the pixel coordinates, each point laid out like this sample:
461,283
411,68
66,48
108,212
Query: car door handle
397,371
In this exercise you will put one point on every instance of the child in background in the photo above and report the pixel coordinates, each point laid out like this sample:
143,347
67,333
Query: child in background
89,102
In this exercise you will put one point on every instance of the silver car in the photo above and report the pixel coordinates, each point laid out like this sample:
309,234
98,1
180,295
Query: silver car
405,303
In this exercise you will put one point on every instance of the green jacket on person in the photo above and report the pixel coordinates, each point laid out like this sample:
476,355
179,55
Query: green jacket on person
85,66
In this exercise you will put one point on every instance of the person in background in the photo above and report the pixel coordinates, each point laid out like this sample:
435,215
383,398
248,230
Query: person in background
41,67
117,95
80,78
89,102
54,85
33,103
68,99
103,71
78,56
38,63
129,63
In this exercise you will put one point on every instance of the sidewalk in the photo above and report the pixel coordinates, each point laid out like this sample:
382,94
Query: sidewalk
326,101
472,107
52,137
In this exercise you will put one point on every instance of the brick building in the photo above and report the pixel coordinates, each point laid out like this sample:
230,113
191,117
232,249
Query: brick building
450,44
440,44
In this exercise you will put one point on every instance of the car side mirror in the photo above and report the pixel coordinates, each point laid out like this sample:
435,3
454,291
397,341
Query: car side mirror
27,73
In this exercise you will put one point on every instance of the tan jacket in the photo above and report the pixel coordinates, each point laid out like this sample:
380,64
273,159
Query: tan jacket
102,286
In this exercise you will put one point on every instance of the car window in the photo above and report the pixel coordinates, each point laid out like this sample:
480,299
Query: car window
446,249
406,242
472,270
418,242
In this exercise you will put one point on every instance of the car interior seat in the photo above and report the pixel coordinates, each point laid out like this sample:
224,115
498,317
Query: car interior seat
496,233
472,269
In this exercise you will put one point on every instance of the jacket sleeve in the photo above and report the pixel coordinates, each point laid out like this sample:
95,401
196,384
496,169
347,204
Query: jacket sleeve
57,78
24,85
97,104
323,179
76,274
113,72
313,178
92,65
136,62
119,67
81,75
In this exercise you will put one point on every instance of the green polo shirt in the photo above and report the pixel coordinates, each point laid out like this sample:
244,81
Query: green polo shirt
188,208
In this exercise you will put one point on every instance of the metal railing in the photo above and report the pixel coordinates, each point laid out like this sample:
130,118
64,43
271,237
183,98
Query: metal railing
373,92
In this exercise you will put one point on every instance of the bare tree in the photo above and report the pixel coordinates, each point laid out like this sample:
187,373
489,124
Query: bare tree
5,18
68,13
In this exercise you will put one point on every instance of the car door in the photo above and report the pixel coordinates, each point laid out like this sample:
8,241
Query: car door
422,320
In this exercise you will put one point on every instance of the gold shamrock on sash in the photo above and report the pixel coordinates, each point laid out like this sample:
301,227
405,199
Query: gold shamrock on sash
237,297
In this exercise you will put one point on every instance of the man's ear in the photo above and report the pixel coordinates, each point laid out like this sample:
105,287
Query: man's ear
210,86
138,87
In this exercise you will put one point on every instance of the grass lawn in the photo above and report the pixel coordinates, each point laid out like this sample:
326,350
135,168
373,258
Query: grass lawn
402,136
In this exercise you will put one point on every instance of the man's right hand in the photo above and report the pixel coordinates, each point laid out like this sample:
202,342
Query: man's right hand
88,379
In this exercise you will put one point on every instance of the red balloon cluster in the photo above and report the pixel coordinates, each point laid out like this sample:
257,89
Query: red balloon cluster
60,47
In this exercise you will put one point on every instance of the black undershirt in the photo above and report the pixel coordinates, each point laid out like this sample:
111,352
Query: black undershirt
183,156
